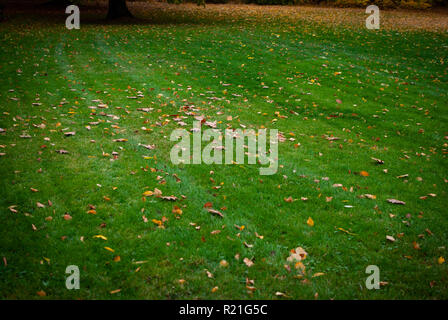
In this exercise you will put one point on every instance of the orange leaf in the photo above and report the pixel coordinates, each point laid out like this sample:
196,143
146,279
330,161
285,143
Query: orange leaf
310,222
41,293
364,173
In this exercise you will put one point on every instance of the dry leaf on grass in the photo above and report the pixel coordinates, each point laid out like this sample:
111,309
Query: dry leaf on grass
395,201
248,262
297,254
215,212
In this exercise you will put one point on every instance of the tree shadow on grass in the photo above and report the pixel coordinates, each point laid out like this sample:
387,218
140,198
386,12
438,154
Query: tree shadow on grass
96,15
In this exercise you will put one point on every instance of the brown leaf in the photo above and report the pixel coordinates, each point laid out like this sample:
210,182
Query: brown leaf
208,205
41,293
215,212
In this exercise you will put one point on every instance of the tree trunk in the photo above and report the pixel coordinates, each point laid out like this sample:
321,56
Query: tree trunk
117,9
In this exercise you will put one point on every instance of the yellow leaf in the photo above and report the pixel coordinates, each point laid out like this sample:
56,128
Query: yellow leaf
347,232
109,249
117,258
157,222
310,222
100,236
148,193
441,260
177,210
300,265
115,291
318,274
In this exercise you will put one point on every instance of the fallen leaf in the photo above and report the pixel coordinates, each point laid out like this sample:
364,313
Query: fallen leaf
248,262
280,294
415,245
297,254
208,205
395,201
310,222
41,293
157,192
224,263
318,274
177,210
378,161
390,238
215,212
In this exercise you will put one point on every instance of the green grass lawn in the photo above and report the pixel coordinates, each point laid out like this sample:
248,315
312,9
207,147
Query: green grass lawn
340,96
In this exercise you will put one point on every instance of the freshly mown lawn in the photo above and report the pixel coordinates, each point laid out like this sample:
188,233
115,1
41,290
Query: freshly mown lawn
339,94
